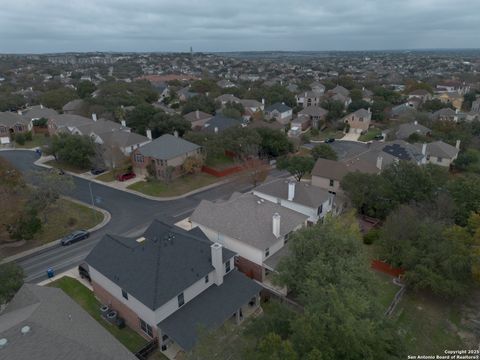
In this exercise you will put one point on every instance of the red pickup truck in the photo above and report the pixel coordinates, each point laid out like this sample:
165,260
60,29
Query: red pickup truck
126,176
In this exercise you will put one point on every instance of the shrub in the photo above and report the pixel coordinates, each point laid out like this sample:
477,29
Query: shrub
20,139
28,136
370,237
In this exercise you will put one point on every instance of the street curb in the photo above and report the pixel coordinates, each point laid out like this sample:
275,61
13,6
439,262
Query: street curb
40,162
43,248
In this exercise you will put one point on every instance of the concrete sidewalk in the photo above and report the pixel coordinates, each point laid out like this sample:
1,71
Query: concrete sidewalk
122,185
72,273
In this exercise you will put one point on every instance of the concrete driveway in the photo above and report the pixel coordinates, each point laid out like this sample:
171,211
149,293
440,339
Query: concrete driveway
351,136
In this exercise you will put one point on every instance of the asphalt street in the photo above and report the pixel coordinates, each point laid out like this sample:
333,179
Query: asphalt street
131,214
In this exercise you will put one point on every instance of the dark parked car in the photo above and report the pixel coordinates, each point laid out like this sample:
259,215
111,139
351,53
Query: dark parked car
378,137
74,237
329,140
97,171
126,176
84,272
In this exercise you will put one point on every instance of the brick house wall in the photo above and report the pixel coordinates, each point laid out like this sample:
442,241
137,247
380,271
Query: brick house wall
249,268
131,318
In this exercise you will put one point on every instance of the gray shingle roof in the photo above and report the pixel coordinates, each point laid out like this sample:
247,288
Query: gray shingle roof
197,115
37,112
221,123
167,147
405,130
159,268
9,119
210,309
440,149
122,138
59,329
314,111
247,219
280,107
330,169
305,194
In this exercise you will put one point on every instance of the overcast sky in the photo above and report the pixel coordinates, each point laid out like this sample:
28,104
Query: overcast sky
230,25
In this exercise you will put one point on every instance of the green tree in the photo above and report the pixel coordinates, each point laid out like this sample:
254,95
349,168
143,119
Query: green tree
200,102
465,190
11,279
273,347
468,160
85,89
57,98
141,117
323,151
298,166
274,143
436,257
74,150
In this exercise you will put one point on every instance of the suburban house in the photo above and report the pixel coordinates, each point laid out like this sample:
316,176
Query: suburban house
445,114
250,226
327,174
226,98
451,86
476,106
367,95
298,196
184,94
73,107
12,123
165,156
280,112
299,125
44,323
439,152
197,118
66,123
253,105
170,283
454,99
220,123
340,90
316,114
421,94
407,129
225,84
402,109
359,120
37,112
317,87
309,98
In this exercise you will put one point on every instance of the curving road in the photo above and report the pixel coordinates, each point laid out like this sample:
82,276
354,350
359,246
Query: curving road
131,214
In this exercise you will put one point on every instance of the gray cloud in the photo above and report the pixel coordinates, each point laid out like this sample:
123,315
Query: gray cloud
216,25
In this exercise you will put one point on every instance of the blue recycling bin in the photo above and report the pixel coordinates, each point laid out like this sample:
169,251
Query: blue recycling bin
50,273
39,152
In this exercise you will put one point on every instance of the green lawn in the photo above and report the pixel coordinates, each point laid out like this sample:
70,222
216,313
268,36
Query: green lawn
177,187
38,140
328,134
65,166
84,297
219,162
61,219
370,135
106,177
428,324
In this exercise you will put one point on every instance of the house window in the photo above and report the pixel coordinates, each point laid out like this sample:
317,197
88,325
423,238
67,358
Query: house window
146,328
331,182
267,252
124,294
139,158
439,159
227,266
320,209
206,279
181,300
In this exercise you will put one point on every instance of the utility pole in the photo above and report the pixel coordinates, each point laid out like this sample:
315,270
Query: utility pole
93,202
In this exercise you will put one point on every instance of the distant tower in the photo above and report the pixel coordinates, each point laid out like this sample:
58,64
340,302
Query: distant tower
191,51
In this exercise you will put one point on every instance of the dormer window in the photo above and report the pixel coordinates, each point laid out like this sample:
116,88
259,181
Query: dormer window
267,252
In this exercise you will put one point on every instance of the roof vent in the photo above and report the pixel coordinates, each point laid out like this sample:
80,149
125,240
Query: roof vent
3,343
25,330
140,239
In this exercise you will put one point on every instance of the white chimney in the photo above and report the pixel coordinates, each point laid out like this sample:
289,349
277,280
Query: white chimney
215,130
94,117
217,262
424,149
415,122
175,133
19,112
263,101
457,144
149,134
197,114
124,123
41,106
291,190
276,225
379,162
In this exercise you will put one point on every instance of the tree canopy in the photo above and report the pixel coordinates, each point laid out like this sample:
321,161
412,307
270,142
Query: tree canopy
296,165
72,149
323,151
